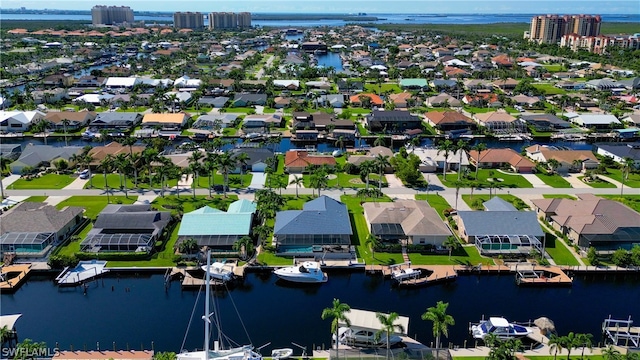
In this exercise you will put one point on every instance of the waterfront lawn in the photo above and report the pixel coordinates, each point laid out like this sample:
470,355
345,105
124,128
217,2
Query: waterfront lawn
158,259
362,130
558,251
555,180
477,201
598,183
186,203
94,204
359,227
558,196
632,201
271,259
508,180
465,255
633,180
573,357
73,247
47,181
436,201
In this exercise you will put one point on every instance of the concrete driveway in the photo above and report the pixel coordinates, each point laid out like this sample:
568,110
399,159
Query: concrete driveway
535,181
258,180
393,181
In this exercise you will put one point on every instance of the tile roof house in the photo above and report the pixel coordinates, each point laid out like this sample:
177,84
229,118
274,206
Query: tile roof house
501,229
449,120
568,158
442,99
410,220
126,228
362,98
494,158
216,228
31,227
296,161
42,155
592,221
168,121
98,153
76,120
371,155
322,221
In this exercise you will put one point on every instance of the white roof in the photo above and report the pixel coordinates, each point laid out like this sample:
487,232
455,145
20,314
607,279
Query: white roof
16,115
456,62
9,320
499,321
185,81
367,320
93,98
286,83
378,67
602,119
180,95
122,81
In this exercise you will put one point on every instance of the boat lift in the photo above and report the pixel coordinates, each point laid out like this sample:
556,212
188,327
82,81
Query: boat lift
618,331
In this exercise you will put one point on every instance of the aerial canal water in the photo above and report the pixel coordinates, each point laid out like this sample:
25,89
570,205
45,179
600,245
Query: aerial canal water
135,310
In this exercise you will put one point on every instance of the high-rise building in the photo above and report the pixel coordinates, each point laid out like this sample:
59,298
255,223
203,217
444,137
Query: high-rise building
188,20
550,29
111,15
229,20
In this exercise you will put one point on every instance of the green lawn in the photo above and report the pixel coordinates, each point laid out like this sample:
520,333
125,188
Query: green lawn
632,201
477,201
271,259
47,181
36,198
633,180
555,180
560,254
599,183
343,180
549,89
235,181
73,247
558,196
376,89
436,201
554,67
359,226
465,255
97,182
504,179
362,130
186,203
575,355
239,109
162,258
94,204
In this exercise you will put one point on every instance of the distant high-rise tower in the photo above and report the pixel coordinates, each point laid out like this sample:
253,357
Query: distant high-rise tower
111,15
549,29
188,20
244,20
229,20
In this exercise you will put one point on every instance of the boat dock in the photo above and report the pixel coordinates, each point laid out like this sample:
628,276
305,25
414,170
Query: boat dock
85,270
12,276
190,281
435,274
541,275
621,332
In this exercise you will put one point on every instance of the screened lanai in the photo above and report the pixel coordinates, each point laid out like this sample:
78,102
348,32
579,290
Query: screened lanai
507,244
23,242
118,242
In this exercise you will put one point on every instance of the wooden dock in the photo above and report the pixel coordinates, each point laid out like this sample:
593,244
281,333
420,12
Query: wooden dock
435,274
541,276
13,276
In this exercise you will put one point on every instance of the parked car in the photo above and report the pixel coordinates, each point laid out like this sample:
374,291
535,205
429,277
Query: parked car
84,174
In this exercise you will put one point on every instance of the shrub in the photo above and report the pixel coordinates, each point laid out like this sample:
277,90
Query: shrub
61,261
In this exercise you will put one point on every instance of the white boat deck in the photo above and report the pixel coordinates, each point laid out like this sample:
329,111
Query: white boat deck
85,270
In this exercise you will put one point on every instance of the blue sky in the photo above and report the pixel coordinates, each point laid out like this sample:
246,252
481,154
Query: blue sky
351,6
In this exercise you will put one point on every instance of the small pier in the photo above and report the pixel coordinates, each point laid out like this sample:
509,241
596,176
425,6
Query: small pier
12,276
541,276
430,274
85,270
621,332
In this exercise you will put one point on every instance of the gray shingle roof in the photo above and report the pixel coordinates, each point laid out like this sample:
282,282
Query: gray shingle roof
478,223
29,217
323,215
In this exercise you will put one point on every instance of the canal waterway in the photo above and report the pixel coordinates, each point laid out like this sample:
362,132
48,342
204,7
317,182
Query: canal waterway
136,309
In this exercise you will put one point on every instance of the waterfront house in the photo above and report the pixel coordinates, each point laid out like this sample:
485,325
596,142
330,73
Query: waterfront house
29,228
121,82
545,122
449,120
98,153
10,151
570,160
258,158
49,96
412,221
74,120
322,221
246,99
165,120
218,229
591,221
18,121
394,121
619,152
262,121
432,160
297,161
126,228
501,229
371,155
210,122
495,158
36,156
597,121
499,122
121,121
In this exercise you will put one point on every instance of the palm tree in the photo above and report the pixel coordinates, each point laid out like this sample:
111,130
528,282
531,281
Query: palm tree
210,166
556,344
479,147
242,160
451,243
462,147
553,164
445,147
388,327
297,181
586,341
128,141
366,168
379,141
611,353
5,334
40,127
440,319
65,123
107,166
188,246
244,245
381,162
262,232
194,168
340,142
627,164
226,164
571,341
371,242
337,313
123,164
578,164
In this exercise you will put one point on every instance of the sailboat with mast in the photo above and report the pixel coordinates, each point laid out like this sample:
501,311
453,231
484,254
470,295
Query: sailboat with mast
244,352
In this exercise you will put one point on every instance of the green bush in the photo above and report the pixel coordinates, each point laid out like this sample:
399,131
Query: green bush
62,261
114,256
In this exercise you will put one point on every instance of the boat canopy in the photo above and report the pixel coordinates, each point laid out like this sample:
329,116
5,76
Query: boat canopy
9,321
499,322
363,319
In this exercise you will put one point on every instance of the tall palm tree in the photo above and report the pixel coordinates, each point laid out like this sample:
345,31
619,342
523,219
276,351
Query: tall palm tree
388,327
627,164
297,181
379,141
381,162
128,141
571,341
40,127
65,123
586,341
107,166
194,168
451,243
371,242
244,245
226,163
440,319
210,166
556,344
123,164
366,168
337,314
461,146
242,160
479,147
553,165
445,147
611,353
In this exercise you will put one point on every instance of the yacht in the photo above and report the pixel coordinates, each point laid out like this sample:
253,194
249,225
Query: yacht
364,338
400,273
281,354
219,271
500,327
307,272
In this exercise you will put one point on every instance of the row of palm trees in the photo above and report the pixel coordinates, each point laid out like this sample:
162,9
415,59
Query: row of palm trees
447,147
436,314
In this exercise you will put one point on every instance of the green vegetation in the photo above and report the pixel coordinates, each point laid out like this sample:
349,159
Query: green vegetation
633,180
559,252
549,89
94,204
598,183
113,180
36,198
436,201
360,230
558,196
499,179
381,89
47,181
165,257
464,255
476,201
555,180
235,181
186,203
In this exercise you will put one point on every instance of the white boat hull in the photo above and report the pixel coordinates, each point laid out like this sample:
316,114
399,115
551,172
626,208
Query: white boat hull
307,272
281,354
499,327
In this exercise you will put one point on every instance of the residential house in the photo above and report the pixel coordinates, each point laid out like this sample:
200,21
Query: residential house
506,84
217,229
592,221
58,80
632,119
416,84
121,82
332,100
526,101
186,82
501,230
545,122
366,100
597,121
619,152
498,158
31,228
412,221
432,160
350,86
10,151
246,99
443,84
258,158
36,156
126,228
18,121
499,122
262,121
394,121
211,122
442,99
122,121
297,161
90,81
449,120
98,153
215,102
287,84
371,155
69,120
322,221
49,96
165,120
570,160
483,99
402,100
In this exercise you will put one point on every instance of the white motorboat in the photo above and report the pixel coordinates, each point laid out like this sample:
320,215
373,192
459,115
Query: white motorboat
500,327
307,272
404,271
364,338
219,271
280,354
